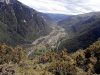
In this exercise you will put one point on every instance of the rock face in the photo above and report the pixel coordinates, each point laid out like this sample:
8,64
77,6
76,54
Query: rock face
20,24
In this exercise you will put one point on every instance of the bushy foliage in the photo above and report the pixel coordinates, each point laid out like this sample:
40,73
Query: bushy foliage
81,62
9,54
7,69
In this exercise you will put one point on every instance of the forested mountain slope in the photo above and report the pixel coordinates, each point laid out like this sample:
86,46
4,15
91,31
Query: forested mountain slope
83,30
20,24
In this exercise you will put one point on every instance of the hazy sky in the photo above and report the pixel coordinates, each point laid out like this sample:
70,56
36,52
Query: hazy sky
64,6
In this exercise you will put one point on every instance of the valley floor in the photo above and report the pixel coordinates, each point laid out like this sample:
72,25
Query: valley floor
52,40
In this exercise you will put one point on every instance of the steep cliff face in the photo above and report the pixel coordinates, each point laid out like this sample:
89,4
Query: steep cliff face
20,24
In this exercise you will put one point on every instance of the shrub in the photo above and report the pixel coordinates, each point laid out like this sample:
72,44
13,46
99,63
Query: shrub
9,54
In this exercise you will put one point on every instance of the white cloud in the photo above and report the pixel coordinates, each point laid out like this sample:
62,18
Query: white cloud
64,6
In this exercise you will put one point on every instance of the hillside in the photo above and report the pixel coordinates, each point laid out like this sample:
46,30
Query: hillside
76,24
83,30
81,62
35,43
48,19
20,24
56,17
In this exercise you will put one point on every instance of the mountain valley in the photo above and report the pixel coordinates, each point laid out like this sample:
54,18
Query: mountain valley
37,43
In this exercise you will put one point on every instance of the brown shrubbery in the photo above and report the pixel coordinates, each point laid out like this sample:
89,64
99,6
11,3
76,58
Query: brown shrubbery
9,54
81,62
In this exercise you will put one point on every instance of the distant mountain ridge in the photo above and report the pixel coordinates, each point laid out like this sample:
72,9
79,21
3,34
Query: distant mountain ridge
48,19
83,30
20,24
56,17
79,23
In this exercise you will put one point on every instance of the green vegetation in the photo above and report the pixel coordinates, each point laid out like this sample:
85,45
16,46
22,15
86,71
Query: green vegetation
81,40
9,54
81,62
20,26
